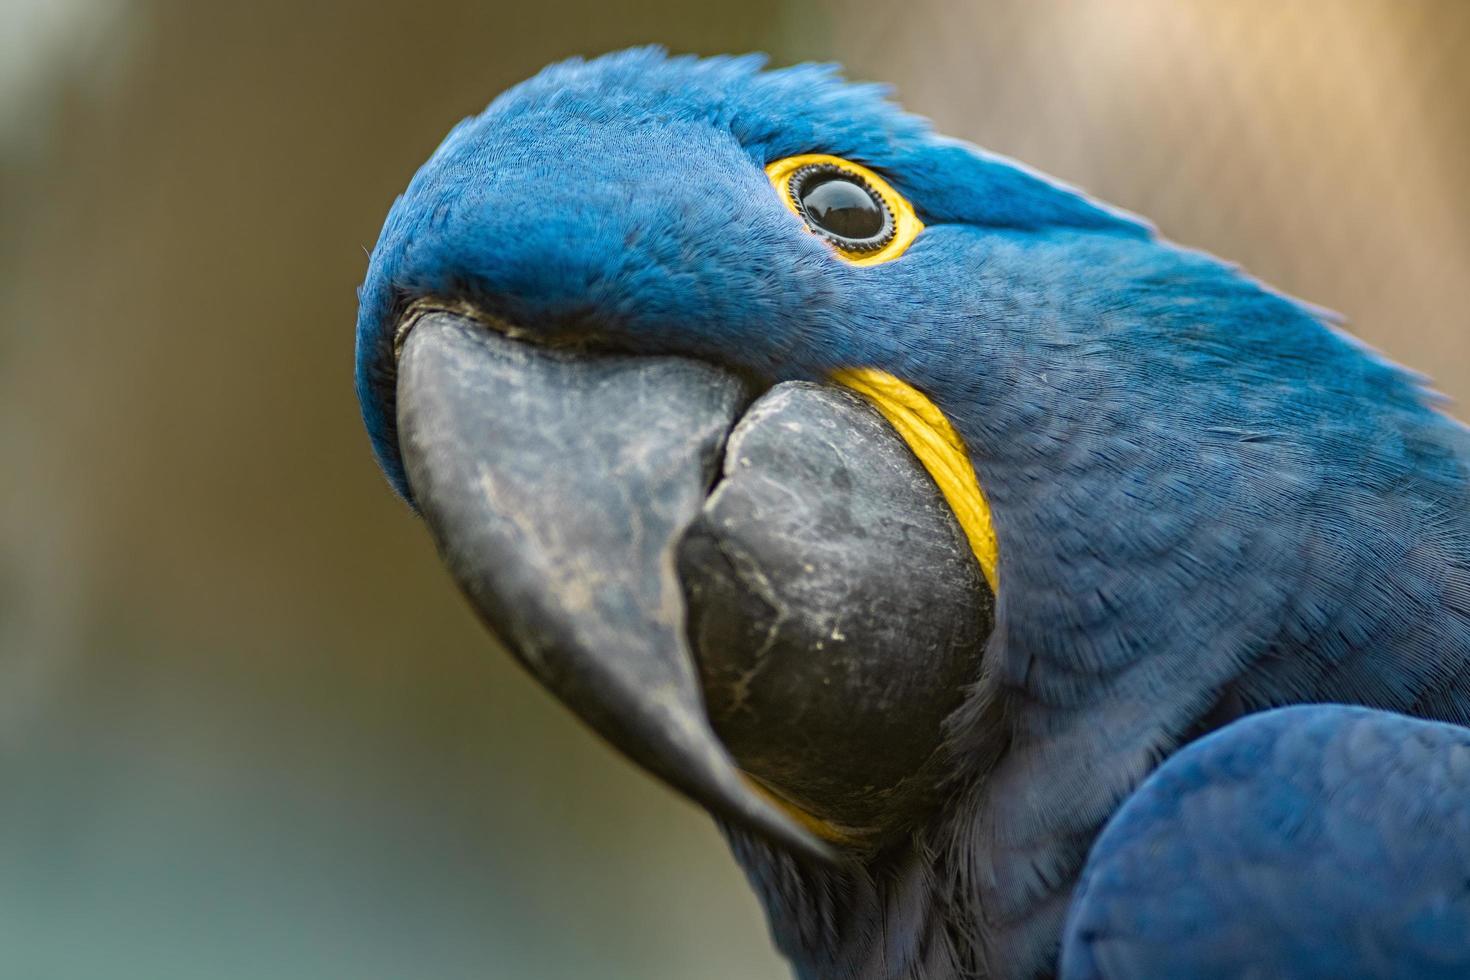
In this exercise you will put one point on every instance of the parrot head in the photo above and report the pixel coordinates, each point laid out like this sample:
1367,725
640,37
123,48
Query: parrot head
647,205
1042,439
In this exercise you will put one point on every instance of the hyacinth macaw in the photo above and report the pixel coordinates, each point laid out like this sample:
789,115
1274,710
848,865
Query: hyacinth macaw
916,514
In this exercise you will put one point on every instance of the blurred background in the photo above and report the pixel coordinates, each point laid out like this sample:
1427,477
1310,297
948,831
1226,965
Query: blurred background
247,727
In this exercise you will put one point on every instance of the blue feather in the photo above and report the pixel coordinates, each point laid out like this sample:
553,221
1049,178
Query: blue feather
1312,841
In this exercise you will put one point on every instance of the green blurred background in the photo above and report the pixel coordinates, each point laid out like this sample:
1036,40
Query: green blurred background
247,727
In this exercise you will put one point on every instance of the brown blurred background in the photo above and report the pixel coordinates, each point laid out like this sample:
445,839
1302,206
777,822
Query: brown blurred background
247,727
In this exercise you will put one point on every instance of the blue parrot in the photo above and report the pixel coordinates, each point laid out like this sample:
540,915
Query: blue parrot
916,514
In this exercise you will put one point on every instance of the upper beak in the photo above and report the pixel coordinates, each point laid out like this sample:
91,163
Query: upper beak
556,487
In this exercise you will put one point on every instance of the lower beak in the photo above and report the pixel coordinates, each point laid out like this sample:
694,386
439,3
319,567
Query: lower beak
556,486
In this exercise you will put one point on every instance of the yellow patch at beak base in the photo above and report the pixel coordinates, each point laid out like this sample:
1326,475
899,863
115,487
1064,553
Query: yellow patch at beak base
939,447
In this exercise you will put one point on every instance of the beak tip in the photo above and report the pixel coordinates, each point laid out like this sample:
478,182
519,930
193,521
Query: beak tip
692,759
770,821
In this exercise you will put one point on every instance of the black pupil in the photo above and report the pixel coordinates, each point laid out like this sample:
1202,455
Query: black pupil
843,207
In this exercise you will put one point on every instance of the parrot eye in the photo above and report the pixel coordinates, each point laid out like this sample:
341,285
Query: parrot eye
842,208
866,221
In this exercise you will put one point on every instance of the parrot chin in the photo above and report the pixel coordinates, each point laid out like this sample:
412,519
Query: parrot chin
760,597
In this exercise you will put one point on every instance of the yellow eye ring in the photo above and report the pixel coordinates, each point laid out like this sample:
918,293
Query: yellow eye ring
903,224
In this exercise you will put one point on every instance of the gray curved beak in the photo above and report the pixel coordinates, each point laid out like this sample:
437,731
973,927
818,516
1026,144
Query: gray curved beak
556,486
